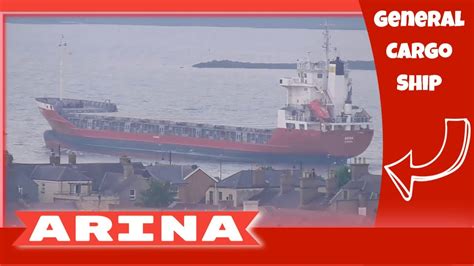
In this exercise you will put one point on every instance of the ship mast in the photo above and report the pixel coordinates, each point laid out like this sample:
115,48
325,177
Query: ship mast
326,46
62,46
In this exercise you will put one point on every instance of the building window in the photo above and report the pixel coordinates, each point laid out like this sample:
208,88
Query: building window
320,76
211,197
230,197
78,189
132,195
75,189
43,188
220,195
345,195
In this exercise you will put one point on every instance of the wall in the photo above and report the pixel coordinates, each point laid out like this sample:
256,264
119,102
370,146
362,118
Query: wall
238,195
138,183
197,184
352,207
47,189
245,194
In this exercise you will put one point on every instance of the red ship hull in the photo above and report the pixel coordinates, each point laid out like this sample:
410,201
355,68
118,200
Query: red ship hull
283,142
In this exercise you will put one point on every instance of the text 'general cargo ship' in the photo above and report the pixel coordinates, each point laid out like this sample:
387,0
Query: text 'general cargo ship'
318,121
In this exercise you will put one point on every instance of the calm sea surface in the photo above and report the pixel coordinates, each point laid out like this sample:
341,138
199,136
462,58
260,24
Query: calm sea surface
147,71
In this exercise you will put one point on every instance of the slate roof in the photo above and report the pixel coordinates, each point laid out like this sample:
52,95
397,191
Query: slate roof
288,200
21,169
366,185
57,173
97,171
272,197
243,179
110,181
358,184
174,174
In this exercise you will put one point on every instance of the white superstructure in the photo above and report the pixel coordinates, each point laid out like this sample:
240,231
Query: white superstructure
319,98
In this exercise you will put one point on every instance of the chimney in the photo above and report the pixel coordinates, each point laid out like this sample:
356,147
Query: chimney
331,183
362,198
362,210
127,165
72,158
258,177
308,188
286,182
359,168
54,159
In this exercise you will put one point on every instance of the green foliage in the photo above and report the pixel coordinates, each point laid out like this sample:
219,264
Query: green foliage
9,157
343,175
159,195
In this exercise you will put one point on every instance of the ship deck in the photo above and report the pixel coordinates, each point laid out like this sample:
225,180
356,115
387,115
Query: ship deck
85,114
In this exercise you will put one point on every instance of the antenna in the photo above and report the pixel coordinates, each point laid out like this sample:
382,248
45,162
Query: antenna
327,42
62,45
326,46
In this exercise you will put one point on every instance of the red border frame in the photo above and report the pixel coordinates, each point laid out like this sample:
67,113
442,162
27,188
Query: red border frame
25,8
377,245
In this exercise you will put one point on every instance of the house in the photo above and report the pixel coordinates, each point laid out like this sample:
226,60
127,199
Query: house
270,187
20,187
55,180
309,192
125,185
360,195
189,182
96,171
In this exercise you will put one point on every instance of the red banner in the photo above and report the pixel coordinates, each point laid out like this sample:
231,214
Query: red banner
427,177
156,229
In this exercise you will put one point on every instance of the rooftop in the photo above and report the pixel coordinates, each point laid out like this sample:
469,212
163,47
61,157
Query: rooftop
57,173
244,178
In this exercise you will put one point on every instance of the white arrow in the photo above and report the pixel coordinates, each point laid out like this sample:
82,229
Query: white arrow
407,192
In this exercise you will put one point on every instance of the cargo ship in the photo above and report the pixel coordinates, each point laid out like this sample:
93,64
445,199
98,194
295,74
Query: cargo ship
318,121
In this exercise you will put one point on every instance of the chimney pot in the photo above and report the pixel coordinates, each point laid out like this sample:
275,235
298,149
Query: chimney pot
286,182
127,165
72,158
258,177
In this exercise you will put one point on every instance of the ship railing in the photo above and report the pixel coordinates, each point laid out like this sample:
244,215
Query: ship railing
298,118
296,82
93,120
344,120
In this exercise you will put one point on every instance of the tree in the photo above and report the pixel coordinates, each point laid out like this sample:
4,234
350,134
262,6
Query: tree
159,195
9,157
343,175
